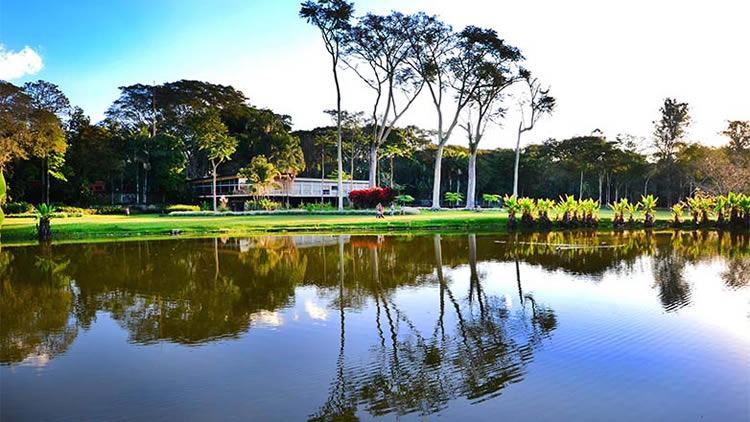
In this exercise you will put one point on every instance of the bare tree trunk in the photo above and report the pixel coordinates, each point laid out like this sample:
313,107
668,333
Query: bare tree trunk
339,156
213,185
518,159
145,183
471,186
351,179
322,172
138,184
580,187
600,188
436,178
391,158
372,179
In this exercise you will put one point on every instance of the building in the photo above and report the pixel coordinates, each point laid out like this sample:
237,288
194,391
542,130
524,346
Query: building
292,190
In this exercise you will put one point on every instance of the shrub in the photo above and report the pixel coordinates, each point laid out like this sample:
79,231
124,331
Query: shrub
316,206
73,211
181,207
18,208
511,204
369,198
262,204
454,197
491,198
404,199
110,210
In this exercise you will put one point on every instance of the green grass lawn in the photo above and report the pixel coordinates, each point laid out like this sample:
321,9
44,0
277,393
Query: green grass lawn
151,225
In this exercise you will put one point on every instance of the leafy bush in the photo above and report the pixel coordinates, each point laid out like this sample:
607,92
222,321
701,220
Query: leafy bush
454,197
316,206
404,199
110,210
369,198
18,208
262,204
491,198
74,211
182,207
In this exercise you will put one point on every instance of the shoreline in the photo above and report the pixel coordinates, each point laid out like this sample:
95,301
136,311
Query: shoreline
150,226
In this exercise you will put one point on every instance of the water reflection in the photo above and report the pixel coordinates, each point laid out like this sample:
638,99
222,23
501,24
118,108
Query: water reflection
477,342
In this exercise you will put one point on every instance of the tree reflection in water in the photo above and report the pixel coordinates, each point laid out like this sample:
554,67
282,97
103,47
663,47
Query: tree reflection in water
196,291
417,371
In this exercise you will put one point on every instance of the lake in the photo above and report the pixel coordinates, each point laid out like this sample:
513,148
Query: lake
544,326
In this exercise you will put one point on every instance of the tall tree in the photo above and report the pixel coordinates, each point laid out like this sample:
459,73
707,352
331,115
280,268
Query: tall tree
669,134
377,51
441,58
538,103
54,106
738,132
213,139
669,130
332,18
495,72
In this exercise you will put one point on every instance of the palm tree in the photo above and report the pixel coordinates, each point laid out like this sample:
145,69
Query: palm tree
262,174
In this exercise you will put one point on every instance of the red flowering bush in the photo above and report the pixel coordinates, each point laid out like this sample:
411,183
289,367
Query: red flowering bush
369,198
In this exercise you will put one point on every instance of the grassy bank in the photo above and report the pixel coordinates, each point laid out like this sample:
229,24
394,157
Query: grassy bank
121,226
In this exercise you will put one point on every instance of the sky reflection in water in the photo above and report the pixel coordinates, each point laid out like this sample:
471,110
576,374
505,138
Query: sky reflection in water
534,327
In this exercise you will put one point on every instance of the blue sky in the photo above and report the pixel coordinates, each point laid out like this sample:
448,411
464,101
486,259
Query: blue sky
91,47
610,65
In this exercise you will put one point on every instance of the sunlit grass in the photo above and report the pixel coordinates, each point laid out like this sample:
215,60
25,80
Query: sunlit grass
115,226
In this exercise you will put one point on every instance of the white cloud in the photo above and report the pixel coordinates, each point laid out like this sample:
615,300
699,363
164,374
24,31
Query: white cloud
17,64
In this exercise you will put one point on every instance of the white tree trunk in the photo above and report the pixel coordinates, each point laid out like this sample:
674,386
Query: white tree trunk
340,181
518,159
471,186
213,188
436,178
372,179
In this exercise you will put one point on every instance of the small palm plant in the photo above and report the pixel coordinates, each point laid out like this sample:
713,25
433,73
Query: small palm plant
632,208
543,207
454,197
677,211
744,206
568,206
589,212
619,208
694,203
720,204
648,204
44,213
403,200
491,198
528,207
510,203
733,204
706,205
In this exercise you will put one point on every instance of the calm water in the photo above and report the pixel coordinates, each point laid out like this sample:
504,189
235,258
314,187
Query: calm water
631,326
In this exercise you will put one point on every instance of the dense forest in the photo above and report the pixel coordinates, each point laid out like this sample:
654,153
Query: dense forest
154,138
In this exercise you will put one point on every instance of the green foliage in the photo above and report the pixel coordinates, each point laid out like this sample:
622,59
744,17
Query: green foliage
2,196
454,197
44,211
110,210
264,204
510,203
491,198
404,199
18,208
181,207
316,206
678,210
262,175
